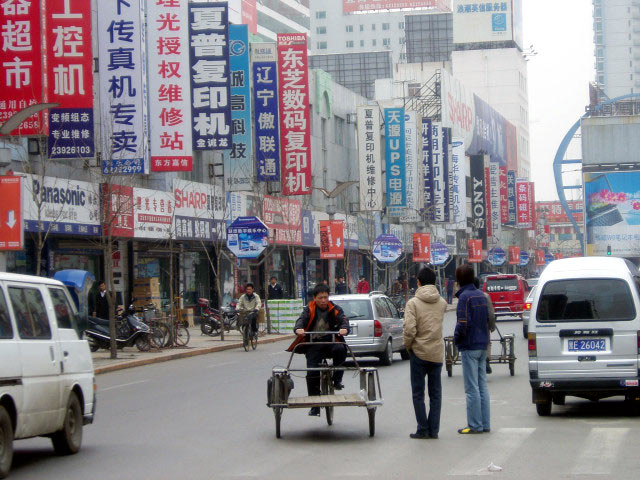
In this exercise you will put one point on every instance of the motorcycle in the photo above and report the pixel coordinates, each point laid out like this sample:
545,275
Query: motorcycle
212,320
130,330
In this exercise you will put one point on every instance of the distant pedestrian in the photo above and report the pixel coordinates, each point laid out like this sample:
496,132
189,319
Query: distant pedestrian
471,336
341,287
100,303
450,290
275,290
363,285
422,334
396,288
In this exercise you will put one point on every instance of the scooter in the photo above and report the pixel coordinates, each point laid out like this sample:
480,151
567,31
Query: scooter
210,321
130,330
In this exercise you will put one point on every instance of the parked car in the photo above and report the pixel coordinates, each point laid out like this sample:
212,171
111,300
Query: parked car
376,326
508,293
584,331
526,312
47,384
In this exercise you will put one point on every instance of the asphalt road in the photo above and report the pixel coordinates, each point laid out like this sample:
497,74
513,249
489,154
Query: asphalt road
205,417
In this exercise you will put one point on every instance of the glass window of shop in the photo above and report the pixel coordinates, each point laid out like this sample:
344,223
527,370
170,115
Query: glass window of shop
68,259
198,278
280,267
155,267
317,271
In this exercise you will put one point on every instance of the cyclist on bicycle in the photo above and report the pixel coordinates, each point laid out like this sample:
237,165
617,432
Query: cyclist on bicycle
250,304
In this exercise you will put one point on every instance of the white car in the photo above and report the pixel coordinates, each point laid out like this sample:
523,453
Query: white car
47,384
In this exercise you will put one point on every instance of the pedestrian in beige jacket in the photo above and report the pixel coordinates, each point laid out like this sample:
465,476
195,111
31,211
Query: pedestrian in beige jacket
423,317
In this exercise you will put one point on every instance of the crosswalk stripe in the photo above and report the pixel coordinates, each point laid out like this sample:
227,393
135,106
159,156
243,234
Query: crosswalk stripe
493,448
600,451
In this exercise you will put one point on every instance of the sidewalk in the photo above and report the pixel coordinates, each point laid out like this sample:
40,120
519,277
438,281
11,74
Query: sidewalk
198,345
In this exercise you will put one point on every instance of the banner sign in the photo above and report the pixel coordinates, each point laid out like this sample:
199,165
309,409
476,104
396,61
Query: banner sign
21,60
539,258
427,167
458,185
351,6
199,210
504,196
554,213
331,239
413,171
440,172
487,196
210,76
478,205
387,248
532,205
490,132
474,248
369,158
117,216
247,237
497,256
249,14
69,78
422,247
123,99
295,127
511,198
61,205
308,234
523,204
153,213
283,217
238,162
265,100
524,258
169,87
514,255
395,150
458,108
11,228
496,209
439,253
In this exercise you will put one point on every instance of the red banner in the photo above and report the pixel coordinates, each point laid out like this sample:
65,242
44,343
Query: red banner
422,247
283,216
11,231
554,213
487,196
250,15
117,205
540,258
523,204
350,6
331,239
514,255
21,58
504,196
475,251
295,132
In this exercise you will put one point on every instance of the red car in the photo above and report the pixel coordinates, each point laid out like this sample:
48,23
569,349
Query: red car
508,294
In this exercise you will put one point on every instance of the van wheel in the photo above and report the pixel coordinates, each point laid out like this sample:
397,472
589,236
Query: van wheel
543,409
68,440
6,443
559,399
525,331
386,358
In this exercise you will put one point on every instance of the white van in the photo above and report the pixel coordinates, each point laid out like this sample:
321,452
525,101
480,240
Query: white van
47,384
584,331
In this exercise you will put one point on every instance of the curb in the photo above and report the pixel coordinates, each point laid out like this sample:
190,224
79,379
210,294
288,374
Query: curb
184,354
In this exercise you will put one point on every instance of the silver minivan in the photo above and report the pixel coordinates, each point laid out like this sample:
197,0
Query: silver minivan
584,331
376,325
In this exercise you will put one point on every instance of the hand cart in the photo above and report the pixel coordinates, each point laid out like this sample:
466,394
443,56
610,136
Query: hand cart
280,385
506,352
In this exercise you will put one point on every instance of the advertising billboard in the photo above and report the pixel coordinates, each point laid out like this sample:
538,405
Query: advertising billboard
497,256
610,139
554,213
422,247
353,6
504,196
427,167
494,199
612,204
331,239
439,168
479,22
514,255
478,197
11,228
153,213
439,253
458,184
524,258
458,107
394,130
117,204
283,216
413,170
247,237
369,158
387,248
198,209
474,249
523,204
511,198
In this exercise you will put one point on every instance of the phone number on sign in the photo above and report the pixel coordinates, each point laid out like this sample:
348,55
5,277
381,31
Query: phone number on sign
75,150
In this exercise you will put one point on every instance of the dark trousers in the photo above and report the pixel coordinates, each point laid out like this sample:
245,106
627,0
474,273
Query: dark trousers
315,354
419,369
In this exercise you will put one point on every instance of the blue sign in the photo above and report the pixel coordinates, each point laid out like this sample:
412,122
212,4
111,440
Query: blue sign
524,259
499,22
395,152
427,166
439,253
443,212
71,133
548,258
210,75
511,197
387,248
194,228
247,237
490,134
238,162
265,100
497,256
308,235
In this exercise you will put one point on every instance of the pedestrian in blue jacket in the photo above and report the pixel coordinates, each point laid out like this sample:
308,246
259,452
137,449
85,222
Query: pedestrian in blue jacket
472,338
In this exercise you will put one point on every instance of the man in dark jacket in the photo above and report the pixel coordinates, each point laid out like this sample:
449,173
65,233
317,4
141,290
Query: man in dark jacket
472,338
100,304
341,287
319,316
275,290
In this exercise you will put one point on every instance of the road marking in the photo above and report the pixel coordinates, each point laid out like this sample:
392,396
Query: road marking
221,364
600,451
493,447
122,385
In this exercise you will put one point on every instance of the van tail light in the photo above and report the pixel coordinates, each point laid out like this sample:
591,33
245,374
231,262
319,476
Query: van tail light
527,306
532,345
638,342
377,328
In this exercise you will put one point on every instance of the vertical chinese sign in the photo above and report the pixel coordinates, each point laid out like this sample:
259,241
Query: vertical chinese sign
395,151
514,255
523,204
474,247
422,247
413,170
504,196
210,76
478,200
458,185
494,200
439,174
117,210
511,197
238,166
331,239
295,130
487,197
427,167
123,104
169,89
264,57
540,260
532,205
369,162
21,60
69,65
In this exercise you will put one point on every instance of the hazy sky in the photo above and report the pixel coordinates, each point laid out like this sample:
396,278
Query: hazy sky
561,31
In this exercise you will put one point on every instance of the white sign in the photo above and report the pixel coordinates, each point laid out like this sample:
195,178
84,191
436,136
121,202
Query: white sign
458,108
476,21
458,184
350,231
153,213
415,200
494,198
198,200
440,172
369,154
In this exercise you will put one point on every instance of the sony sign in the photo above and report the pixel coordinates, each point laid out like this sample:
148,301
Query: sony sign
478,198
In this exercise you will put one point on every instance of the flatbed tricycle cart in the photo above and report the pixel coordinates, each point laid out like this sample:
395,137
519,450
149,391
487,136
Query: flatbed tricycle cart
506,352
280,385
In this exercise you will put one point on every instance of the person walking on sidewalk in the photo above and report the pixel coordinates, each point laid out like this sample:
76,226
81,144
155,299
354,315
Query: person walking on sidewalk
363,285
341,287
471,336
250,304
422,327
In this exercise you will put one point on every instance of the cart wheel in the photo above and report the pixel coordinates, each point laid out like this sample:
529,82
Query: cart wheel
278,414
329,413
372,421
450,370
512,368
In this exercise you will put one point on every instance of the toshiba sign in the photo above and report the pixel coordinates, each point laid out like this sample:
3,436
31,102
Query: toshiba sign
351,6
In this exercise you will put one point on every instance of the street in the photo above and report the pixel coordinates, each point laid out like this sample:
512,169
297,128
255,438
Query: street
205,417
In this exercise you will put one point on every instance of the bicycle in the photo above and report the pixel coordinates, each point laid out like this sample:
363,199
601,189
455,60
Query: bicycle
159,335
249,336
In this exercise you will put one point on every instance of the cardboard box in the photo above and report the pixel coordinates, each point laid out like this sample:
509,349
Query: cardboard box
188,316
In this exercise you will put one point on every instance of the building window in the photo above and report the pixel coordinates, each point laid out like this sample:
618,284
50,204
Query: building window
401,40
373,27
362,28
403,56
321,14
386,26
321,30
339,126
373,42
386,42
362,43
321,45
349,28
349,43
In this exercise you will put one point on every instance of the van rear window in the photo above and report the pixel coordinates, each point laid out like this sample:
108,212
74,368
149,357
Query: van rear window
584,300
502,284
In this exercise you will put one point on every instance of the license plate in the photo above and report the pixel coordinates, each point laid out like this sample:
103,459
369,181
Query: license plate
354,330
588,345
